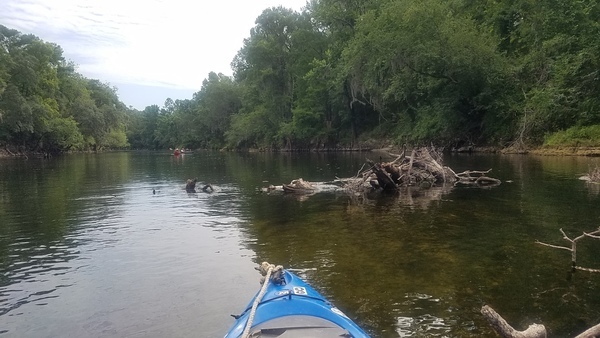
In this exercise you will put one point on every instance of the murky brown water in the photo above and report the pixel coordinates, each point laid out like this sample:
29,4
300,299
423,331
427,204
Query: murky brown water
88,250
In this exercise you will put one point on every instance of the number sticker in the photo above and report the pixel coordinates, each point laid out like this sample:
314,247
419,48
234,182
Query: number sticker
298,290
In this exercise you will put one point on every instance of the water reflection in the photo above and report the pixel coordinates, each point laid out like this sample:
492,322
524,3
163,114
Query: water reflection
102,245
412,196
41,266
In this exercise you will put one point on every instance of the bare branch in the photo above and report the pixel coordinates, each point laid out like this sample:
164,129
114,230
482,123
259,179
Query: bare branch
573,248
586,269
565,235
554,246
469,172
592,236
359,171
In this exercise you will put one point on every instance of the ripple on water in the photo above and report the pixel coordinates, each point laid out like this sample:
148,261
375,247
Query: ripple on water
33,272
419,316
116,249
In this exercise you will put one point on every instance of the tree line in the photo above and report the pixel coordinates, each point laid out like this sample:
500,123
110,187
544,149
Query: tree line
340,73
45,105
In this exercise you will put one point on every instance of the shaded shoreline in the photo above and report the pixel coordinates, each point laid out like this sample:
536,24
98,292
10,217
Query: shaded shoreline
544,151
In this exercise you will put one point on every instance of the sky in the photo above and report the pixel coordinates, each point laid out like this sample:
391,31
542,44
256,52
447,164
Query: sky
150,50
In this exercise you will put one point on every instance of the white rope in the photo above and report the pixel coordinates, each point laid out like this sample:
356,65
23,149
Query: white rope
257,300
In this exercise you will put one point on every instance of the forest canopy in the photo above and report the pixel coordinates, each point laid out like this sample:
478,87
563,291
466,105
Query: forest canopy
45,105
339,74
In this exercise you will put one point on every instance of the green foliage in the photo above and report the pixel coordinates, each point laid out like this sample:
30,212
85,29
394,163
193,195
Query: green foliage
552,45
17,117
269,67
588,136
419,72
423,60
63,135
166,132
307,126
46,106
251,130
485,72
216,103
115,139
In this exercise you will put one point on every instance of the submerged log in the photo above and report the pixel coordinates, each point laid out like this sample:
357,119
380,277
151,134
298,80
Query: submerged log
592,332
476,178
505,330
299,186
533,331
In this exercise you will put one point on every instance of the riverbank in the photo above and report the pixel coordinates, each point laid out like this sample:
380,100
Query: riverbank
7,154
567,151
544,151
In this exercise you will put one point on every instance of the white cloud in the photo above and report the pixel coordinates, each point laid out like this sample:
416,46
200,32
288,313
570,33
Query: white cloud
172,43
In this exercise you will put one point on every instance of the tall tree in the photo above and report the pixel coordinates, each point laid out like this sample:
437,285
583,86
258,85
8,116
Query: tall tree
217,101
338,20
427,69
262,66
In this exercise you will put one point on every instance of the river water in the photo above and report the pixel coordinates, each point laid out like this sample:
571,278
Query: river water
111,245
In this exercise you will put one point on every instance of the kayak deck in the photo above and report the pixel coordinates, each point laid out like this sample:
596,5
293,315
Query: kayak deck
299,326
292,308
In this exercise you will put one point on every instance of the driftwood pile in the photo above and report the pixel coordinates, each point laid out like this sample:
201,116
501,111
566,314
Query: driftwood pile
422,167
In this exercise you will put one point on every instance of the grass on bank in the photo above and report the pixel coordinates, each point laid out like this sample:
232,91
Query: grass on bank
588,136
